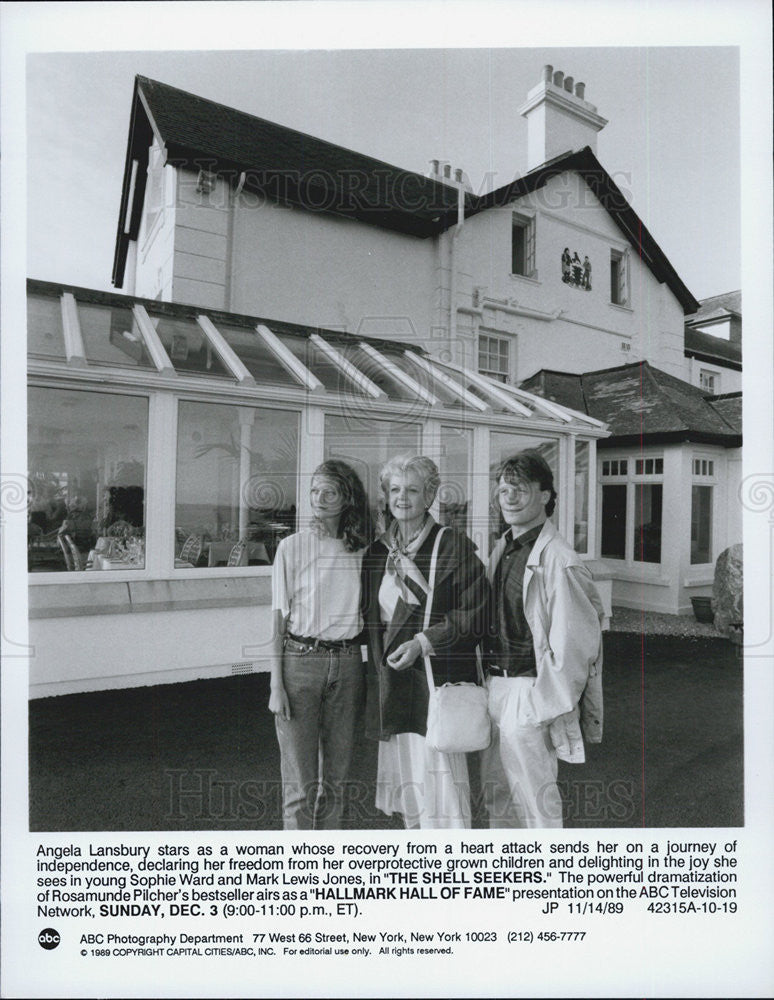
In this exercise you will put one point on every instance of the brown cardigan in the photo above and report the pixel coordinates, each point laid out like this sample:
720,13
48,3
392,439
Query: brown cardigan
396,701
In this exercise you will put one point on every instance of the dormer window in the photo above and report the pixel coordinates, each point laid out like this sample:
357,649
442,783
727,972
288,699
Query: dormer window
619,278
523,245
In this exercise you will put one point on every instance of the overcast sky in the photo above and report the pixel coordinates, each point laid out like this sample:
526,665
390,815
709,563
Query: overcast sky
672,142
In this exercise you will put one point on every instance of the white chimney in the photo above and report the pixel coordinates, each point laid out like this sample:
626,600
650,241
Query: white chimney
559,119
446,173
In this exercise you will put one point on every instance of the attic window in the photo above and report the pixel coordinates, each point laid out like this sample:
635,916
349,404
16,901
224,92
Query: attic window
523,246
619,278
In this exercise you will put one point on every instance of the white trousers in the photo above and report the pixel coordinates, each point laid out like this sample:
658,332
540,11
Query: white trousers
429,788
518,770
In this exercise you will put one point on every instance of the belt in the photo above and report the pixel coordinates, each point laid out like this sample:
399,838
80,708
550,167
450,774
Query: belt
506,672
328,644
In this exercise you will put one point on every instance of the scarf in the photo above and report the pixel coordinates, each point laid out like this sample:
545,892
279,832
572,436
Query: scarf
402,578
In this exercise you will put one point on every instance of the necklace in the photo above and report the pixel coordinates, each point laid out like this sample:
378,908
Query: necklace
402,546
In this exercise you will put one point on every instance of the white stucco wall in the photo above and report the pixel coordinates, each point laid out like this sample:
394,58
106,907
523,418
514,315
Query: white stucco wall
328,271
98,652
589,331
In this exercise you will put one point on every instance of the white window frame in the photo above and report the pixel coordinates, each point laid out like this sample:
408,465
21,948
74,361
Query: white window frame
527,223
705,472
620,295
631,478
502,340
715,375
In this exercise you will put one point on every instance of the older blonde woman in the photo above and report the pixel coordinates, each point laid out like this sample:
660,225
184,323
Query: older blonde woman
430,789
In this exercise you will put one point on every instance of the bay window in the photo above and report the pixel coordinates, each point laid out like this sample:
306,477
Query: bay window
366,444
87,480
632,509
456,467
501,447
236,484
701,510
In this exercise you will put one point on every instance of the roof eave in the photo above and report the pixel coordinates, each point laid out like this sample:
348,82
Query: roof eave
687,436
140,129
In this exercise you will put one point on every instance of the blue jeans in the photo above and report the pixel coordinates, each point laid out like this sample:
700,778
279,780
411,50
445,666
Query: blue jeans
326,691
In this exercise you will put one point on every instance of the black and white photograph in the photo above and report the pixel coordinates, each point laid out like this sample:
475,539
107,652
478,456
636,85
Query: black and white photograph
384,485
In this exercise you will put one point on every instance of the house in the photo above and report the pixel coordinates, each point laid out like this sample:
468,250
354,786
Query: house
713,344
281,300
669,476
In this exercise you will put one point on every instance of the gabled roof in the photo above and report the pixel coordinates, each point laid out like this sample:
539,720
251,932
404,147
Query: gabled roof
612,199
718,306
300,169
278,161
641,403
716,350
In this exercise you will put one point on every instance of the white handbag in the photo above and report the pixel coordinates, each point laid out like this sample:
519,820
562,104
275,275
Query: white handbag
457,714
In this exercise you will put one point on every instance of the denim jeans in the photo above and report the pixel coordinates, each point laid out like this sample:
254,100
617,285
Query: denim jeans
326,692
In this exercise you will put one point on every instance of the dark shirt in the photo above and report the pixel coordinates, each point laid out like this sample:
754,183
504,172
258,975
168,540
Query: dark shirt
511,645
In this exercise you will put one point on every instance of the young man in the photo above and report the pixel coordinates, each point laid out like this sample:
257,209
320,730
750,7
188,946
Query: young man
544,653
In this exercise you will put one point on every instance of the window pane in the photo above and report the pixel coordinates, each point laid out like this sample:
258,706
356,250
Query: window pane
425,379
493,357
237,469
111,336
189,350
45,337
252,351
456,468
480,393
87,459
317,362
366,445
648,499
503,446
581,496
376,372
518,248
613,544
701,524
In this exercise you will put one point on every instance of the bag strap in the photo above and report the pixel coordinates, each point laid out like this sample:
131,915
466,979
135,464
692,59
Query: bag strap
429,603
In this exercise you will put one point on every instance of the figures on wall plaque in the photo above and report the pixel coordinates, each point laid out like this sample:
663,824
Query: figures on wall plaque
574,271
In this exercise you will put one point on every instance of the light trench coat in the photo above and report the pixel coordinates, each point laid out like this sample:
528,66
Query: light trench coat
564,612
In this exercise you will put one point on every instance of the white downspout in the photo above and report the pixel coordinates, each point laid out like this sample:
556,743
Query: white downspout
453,269
234,205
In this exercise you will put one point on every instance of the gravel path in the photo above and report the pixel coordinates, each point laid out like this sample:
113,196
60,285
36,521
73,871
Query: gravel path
656,623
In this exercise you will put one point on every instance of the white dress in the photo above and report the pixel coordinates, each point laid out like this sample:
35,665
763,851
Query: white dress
428,788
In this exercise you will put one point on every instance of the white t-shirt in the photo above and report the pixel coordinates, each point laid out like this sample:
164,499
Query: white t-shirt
316,581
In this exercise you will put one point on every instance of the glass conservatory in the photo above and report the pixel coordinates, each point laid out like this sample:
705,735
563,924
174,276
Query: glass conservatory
171,447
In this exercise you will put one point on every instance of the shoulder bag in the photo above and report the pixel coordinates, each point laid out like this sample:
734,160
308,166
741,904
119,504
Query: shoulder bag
457,714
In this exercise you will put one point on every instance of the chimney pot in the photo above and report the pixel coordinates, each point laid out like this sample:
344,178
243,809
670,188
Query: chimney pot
580,90
447,170
568,82
435,167
548,72
558,78
458,175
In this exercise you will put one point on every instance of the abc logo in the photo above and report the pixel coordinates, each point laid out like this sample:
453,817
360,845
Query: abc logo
48,938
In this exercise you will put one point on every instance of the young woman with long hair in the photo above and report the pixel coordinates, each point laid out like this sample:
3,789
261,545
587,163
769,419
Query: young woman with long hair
317,680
